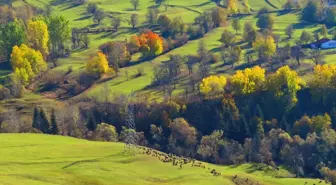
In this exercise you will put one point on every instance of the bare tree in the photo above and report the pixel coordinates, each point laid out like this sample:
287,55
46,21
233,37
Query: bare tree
134,20
135,4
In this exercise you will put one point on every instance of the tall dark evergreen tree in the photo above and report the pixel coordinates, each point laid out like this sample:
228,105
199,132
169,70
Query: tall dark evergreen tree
44,126
54,127
36,119
91,124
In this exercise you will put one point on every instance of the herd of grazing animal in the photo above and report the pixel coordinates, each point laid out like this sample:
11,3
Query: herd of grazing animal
180,161
175,160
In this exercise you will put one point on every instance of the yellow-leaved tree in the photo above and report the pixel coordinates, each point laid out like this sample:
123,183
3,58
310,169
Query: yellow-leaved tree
232,6
285,82
323,81
265,46
248,81
38,36
98,64
213,85
27,63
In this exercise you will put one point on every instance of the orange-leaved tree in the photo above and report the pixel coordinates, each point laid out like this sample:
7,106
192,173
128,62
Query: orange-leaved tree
149,43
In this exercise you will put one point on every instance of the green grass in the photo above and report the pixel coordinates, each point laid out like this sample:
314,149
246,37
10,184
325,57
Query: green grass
33,159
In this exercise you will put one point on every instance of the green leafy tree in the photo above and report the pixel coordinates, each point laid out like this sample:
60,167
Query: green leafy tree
92,8
324,31
11,34
289,31
59,33
265,21
312,11
135,4
306,37
228,38
98,16
236,25
91,124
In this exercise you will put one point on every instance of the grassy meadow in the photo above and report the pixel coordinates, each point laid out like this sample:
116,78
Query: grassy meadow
187,10
34,159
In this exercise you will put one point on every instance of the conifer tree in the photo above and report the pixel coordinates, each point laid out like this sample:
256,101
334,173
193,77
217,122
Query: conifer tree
91,124
44,125
36,119
54,127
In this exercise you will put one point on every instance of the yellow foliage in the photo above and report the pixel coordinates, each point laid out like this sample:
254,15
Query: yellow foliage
98,64
38,36
248,81
232,6
27,62
213,85
265,45
285,82
323,79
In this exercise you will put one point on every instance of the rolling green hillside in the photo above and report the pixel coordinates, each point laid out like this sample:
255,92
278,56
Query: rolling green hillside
32,159
187,10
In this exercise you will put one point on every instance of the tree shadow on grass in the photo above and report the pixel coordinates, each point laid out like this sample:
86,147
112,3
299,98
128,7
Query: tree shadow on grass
302,25
83,18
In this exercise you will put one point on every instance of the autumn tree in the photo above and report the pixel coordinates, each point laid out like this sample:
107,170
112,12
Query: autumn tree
219,16
212,85
322,82
285,83
289,31
7,15
248,81
98,64
38,36
27,63
210,145
265,21
11,34
134,21
135,4
227,38
117,54
149,43
265,46
105,132
183,137
236,25
232,6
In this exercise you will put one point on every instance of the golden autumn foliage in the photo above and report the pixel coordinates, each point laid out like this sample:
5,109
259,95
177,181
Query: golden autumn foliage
27,63
323,80
232,6
149,43
285,81
265,46
98,64
38,36
213,85
248,81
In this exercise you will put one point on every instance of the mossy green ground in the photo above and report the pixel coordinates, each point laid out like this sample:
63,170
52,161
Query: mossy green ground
33,159
187,10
